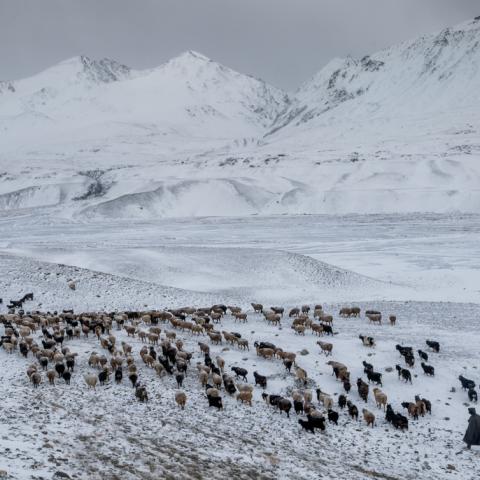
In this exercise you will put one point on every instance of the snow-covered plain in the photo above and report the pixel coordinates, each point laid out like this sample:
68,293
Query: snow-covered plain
274,260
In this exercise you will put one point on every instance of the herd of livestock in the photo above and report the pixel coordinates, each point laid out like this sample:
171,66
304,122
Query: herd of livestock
42,338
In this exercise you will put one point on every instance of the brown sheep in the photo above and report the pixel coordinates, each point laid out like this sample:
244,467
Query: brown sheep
240,316
220,363
51,374
299,329
245,397
215,337
265,352
204,348
257,307
131,330
369,417
301,374
327,348
181,399
203,376
374,318
217,380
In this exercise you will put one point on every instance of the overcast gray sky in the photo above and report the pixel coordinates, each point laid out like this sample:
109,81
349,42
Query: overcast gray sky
282,41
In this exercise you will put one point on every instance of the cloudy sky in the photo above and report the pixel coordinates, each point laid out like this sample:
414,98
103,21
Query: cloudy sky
281,41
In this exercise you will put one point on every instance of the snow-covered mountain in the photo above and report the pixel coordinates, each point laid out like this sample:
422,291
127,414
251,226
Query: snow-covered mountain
427,74
395,131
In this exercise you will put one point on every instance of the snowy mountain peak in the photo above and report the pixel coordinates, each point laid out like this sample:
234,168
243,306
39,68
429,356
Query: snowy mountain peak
97,71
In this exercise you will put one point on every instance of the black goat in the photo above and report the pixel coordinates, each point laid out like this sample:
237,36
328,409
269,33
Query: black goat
332,416
472,395
260,380
240,372
428,369
375,377
435,346
404,373
342,401
423,355
466,383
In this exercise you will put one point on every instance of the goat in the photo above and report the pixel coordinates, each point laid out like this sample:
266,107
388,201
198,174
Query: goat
435,346
428,369
240,372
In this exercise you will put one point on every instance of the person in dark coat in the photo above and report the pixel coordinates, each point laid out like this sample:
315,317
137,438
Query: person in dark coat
472,435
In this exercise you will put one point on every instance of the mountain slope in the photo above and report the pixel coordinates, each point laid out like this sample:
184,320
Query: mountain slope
429,73
189,95
396,131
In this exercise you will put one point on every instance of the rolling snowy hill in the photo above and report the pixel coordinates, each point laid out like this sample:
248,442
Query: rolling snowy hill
396,131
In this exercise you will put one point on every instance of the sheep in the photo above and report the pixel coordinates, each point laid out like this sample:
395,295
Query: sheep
220,363
278,310
203,377
435,346
36,379
51,374
265,352
285,405
240,372
301,374
217,380
257,307
317,329
307,395
243,344
375,318
326,347
332,416
428,369
215,337
380,398
412,409
325,399
294,312
91,380
260,380
245,397
345,312
181,399
204,348
305,309
299,329
369,417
